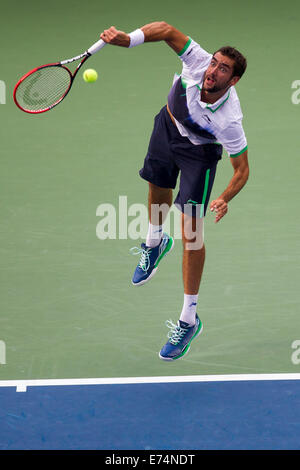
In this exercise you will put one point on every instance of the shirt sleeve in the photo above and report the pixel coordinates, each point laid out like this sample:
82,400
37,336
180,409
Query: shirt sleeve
233,139
194,59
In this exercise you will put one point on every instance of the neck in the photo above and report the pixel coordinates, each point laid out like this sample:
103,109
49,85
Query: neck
211,98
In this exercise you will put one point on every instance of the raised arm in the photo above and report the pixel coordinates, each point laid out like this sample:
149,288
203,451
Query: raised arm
153,32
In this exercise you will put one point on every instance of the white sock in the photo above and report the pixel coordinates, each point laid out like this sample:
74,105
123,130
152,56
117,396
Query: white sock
188,313
154,235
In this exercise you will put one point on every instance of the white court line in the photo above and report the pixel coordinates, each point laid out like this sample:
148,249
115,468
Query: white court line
21,385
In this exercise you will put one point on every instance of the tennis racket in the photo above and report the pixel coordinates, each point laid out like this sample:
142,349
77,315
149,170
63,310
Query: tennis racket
46,86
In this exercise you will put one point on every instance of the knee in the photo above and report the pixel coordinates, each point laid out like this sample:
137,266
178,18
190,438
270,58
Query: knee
192,233
194,245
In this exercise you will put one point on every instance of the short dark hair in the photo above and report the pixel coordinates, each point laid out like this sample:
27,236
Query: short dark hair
240,62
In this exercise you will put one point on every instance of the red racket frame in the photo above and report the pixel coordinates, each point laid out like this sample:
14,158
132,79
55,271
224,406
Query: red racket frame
57,64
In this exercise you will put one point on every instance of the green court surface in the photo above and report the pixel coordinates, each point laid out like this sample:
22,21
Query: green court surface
67,307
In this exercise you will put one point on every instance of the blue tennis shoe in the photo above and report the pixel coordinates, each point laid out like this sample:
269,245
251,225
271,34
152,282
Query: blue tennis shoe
180,338
150,259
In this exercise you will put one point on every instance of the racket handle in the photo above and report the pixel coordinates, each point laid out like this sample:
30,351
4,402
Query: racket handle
96,47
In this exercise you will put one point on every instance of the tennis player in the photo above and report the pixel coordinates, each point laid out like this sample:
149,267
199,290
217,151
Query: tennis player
202,116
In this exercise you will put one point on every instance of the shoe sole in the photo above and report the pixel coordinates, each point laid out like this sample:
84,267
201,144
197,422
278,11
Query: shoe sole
154,269
186,349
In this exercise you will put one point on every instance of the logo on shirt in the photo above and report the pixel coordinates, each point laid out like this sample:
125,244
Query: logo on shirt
190,201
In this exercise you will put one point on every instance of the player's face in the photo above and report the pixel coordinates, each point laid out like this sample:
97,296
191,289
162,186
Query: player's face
219,74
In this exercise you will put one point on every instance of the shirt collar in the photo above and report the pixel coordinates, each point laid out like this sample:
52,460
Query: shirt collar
215,106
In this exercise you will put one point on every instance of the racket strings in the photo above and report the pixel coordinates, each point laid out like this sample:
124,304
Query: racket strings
43,88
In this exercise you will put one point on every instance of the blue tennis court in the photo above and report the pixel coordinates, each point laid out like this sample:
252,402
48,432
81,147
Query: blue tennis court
225,414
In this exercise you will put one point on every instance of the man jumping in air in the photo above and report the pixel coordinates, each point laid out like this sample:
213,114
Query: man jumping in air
202,116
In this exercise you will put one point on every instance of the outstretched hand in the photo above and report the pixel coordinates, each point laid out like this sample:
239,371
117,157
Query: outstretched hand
115,37
220,207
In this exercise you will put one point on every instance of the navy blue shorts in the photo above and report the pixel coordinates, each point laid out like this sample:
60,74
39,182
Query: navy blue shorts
170,154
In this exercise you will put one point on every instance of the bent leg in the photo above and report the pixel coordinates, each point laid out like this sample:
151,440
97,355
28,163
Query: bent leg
158,244
159,203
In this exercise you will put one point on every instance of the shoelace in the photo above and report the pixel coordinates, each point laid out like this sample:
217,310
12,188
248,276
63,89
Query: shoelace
145,259
177,332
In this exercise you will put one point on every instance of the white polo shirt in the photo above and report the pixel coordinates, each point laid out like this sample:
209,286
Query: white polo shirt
202,123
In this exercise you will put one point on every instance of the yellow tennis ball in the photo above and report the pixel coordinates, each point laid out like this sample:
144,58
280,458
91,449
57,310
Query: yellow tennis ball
90,75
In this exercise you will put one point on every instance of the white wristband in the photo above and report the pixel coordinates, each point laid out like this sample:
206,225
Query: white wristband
137,37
